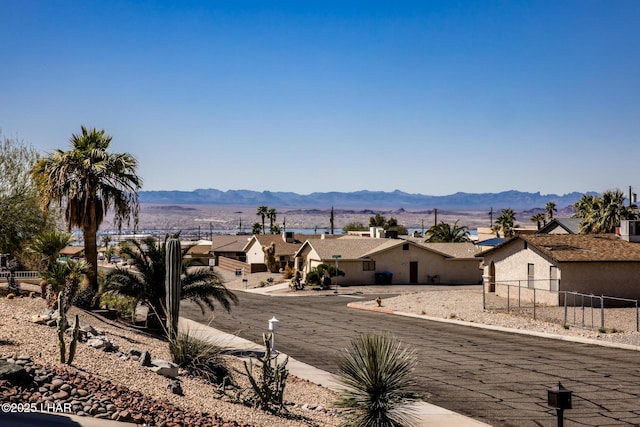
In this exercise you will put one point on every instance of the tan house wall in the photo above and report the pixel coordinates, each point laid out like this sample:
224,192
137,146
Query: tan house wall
255,255
511,274
615,279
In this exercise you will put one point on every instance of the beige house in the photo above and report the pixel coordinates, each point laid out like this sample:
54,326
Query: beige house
587,263
370,260
286,245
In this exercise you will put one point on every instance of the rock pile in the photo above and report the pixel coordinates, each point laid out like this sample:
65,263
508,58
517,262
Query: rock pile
63,389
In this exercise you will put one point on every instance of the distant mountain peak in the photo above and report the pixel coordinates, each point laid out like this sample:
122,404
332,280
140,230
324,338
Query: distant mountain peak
367,199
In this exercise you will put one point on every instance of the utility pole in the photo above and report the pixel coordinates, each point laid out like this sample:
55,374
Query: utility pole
491,217
331,220
435,216
422,221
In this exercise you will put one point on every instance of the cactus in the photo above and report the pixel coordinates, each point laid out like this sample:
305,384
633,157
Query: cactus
62,327
173,286
74,341
268,389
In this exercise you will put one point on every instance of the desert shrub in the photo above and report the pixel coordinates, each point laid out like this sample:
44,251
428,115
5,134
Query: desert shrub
289,272
122,303
376,372
84,298
200,358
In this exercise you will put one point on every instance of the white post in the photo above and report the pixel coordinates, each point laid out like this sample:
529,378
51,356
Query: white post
273,325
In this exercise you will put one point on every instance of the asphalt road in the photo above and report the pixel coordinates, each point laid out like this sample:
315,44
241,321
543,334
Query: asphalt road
496,377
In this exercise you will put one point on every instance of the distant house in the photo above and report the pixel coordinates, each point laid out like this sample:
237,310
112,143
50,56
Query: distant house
587,263
199,253
370,260
72,252
561,226
286,245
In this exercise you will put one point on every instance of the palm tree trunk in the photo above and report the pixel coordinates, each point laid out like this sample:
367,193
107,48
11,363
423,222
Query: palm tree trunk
89,232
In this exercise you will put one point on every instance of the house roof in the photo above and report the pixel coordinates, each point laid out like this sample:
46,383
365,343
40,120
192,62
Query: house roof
570,225
282,247
199,250
454,250
494,241
579,247
72,250
351,248
229,243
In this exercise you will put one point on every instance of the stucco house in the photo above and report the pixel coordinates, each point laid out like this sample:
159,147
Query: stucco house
598,264
370,260
286,245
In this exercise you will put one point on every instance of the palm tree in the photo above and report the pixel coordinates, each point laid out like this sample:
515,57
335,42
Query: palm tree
550,207
88,181
377,374
271,214
64,276
256,228
444,232
147,285
603,213
263,211
48,244
538,218
506,221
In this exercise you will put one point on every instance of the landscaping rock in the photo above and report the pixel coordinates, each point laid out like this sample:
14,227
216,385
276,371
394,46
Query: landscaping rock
145,359
13,373
164,368
175,387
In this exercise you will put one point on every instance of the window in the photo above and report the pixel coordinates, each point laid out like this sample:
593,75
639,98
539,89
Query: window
405,247
368,265
553,278
530,276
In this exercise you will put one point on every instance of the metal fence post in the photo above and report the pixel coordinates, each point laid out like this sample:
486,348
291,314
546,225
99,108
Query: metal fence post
565,308
534,303
508,297
602,312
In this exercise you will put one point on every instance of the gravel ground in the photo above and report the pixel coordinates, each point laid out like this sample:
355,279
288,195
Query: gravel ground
20,336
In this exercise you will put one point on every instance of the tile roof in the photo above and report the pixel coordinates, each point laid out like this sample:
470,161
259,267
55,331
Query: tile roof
282,247
454,250
580,247
351,248
229,243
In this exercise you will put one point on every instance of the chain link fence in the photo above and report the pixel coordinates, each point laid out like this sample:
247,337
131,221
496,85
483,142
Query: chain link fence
598,312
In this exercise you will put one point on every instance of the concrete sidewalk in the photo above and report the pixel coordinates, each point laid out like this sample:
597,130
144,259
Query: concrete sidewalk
428,414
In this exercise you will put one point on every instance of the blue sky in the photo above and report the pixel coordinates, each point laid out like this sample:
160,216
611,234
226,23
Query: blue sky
430,97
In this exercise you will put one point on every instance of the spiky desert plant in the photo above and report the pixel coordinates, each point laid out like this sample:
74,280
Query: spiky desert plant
201,358
62,327
173,286
376,372
268,388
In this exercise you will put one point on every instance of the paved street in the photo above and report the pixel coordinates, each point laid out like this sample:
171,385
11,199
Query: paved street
495,377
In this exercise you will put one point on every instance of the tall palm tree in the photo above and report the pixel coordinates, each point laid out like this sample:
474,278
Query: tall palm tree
538,218
506,221
377,373
444,232
262,212
256,228
271,214
550,208
147,284
88,181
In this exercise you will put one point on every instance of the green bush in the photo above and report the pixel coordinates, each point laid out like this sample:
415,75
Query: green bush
200,358
377,374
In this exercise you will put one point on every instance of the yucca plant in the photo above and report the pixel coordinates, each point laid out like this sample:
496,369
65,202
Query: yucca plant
200,358
376,374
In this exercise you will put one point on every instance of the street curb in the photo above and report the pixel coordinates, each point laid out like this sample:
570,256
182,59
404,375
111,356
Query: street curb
378,309
501,328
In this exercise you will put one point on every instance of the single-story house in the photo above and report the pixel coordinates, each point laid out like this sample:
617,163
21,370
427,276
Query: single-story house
369,260
599,264
286,245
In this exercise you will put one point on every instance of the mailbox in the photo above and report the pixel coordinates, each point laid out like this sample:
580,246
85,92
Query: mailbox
559,398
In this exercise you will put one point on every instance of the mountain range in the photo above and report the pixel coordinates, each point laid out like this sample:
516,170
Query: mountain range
362,199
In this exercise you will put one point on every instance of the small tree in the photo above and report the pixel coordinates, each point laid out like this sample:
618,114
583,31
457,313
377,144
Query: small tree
354,226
